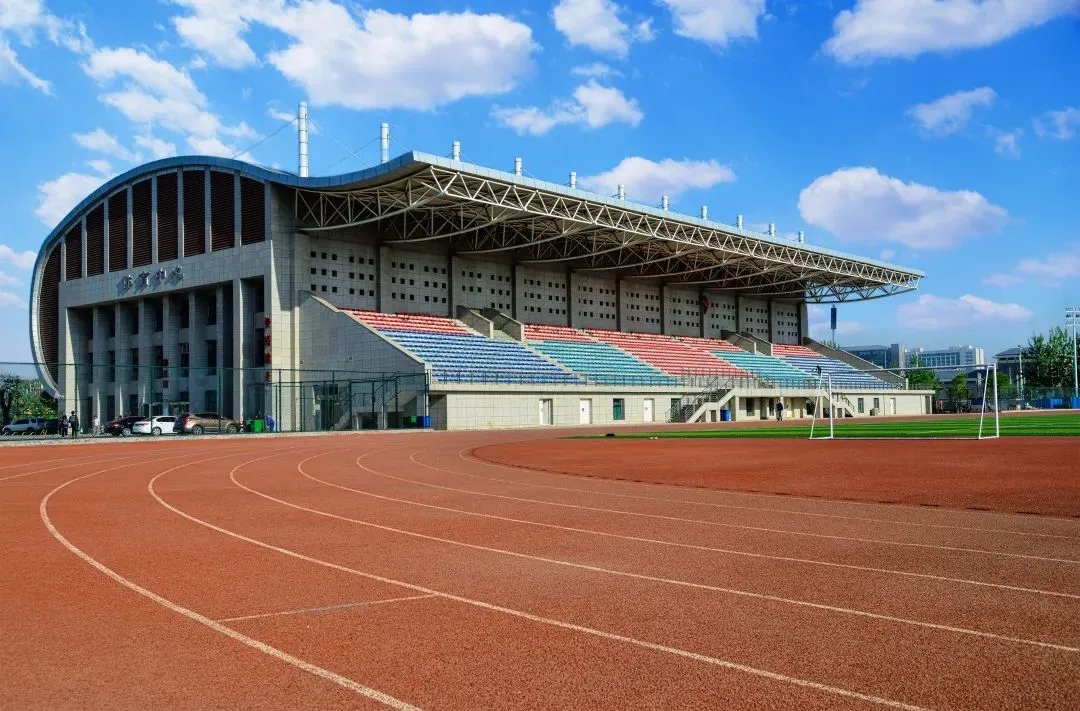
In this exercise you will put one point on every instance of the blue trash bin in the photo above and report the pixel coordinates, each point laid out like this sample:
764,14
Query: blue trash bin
725,415
425,421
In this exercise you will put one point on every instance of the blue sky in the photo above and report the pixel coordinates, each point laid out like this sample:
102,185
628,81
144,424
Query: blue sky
942,135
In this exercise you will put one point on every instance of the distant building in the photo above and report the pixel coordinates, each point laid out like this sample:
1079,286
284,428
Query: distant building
882,356
952,357
1008,362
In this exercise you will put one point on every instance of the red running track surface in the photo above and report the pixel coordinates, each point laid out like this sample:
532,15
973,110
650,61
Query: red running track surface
399,571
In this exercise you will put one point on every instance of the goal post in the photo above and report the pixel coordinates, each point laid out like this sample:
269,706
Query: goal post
970,392
823,393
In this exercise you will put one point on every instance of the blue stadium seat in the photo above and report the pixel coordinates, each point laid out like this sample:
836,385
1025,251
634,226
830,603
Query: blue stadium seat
602,363
841,374
470,358
767,368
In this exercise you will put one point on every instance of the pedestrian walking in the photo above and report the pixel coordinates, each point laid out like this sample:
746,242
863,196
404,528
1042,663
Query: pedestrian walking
73,423
95,426
780,410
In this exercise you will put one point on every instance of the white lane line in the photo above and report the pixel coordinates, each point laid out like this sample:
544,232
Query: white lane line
202,619
60,466
711,504
652,646
762,529
324,608
675,544
666,581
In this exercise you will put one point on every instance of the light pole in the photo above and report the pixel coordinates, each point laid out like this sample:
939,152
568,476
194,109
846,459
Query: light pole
1072,315
1020,379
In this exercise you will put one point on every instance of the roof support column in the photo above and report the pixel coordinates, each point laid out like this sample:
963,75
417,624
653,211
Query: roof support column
663,309
180,214
153,221
514,292
701,310
618,304
804,322
740,316
569,298
451,287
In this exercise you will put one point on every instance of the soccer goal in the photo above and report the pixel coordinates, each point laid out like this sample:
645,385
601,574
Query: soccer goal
964,405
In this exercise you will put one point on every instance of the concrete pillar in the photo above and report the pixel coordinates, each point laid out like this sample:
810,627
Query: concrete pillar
514,292
122,354
241,342
237,213
701,312
180,214
82,227
147,372
130,228
663,310
567,278
107,237
197,377
740,318
804,322
218,331
208,237
170,348
153,221
618,304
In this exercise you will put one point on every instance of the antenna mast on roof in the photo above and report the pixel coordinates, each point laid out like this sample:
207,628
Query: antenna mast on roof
303,134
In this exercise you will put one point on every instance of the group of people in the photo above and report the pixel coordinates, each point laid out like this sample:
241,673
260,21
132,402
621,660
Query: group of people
70,425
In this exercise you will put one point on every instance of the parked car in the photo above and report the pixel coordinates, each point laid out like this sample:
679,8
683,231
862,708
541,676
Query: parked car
26,426
162,424
198,423
121,427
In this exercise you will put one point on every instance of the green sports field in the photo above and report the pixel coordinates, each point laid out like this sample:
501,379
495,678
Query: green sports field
1012,425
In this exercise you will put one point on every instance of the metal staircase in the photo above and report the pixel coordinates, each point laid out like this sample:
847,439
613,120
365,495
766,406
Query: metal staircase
690,407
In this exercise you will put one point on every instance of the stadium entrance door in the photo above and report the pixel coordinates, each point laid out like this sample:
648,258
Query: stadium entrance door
585,407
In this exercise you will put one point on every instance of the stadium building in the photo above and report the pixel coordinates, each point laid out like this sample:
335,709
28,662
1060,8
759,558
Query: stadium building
428,290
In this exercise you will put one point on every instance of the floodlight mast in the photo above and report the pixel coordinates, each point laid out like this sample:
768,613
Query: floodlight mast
1072,316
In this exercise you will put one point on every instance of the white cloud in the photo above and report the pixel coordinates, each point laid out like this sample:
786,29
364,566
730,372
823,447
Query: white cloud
8,280
1057,267
647,180
101,166
156,147
596,24
716,22
876,29
935,313
101,141
19,260
593,106
951,113
12,71
24,20
861,204
57,197
1002,280
215,26
1060,125
1007,143
12,300
154,93
371,58
887,254
596,70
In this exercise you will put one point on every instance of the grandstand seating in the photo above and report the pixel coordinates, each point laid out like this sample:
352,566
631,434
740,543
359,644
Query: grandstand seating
457,355
841,374
710,344
597,361
768,368
668,354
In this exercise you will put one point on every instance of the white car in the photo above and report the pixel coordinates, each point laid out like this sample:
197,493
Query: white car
163,424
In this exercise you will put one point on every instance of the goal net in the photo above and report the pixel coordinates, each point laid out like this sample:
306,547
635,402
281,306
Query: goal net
961,403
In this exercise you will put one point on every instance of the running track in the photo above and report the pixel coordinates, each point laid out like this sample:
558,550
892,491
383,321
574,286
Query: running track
395,571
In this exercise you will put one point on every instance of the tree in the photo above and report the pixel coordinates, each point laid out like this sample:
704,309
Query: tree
922,378
1004,386
958,389
23,398
1048,360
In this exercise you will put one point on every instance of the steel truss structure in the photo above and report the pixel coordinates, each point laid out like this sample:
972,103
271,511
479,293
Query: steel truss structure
476,212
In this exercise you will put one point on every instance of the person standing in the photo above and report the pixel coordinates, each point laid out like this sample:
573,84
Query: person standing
61,425
780,410
95,426
73,423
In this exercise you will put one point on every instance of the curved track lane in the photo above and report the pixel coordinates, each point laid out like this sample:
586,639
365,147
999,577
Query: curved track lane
400,572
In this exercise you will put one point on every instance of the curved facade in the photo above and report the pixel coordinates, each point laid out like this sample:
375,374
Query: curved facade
185,281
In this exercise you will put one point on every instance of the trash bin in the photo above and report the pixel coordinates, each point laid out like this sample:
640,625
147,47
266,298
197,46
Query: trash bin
725,415
425,421
257,426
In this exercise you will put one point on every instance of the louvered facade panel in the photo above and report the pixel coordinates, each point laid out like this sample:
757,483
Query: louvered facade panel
73,244
95,241
141,204
118,232
168,221
49,312
222,211
194,212
252,211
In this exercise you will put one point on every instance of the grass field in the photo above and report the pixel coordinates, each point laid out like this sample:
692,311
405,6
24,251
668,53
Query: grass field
1027,425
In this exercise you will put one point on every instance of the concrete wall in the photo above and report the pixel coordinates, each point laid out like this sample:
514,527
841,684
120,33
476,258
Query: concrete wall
493,410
